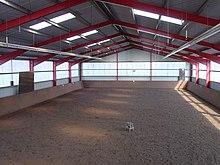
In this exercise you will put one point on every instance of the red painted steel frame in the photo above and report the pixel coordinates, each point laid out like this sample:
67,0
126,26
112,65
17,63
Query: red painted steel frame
197,73
117,65
196,59
191,72
54,74
40,13
162,50
70,72
165,11
208,65
80,71
172,35
202,54
31,63
163,54
14,54
151,65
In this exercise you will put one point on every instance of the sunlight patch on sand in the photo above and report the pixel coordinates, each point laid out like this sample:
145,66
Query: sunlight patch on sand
212,116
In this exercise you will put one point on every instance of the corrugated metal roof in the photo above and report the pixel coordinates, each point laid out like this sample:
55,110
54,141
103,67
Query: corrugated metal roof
89,14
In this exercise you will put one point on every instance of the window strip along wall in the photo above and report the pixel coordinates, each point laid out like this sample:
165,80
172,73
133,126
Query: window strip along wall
161,71
43,73
203,78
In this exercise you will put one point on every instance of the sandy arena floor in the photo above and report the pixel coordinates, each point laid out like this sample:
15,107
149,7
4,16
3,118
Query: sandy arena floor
87,127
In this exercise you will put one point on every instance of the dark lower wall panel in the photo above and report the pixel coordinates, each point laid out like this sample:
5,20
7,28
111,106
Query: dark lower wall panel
17,102
210,95
136,84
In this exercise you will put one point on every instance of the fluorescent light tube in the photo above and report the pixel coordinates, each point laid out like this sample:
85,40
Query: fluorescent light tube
43,50
160,35
146,14
89,33
171,20
73,38
40,25
163,36
63,18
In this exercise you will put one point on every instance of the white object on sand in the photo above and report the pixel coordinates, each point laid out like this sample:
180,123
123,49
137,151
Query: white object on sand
129,126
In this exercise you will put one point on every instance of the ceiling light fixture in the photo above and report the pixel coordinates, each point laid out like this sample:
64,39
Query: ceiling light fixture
171,20
43,50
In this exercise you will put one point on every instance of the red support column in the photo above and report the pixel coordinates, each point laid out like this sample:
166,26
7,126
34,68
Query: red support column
208,71
190,72
150,65
80,71
117,65
70,72
197,73
54,74
31,65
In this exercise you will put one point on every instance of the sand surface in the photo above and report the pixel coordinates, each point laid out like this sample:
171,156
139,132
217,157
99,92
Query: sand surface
87,127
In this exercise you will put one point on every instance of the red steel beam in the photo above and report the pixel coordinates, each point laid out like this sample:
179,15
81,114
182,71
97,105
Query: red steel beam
104,47
62,60
77,32
165,11
12,55
202,54
175,36
91,42
47,57
151,66
163,50
197,73
208,74
163,54
202,61
40,13
117,66
54,74
99,54
42,59
69,72
113,52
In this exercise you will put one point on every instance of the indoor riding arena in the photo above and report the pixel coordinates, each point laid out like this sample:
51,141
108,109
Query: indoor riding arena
110,82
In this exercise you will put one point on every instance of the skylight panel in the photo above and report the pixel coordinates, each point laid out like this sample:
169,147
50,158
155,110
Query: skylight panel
172,20
89,33
40,25
73,38
146,14
104,41
63,18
